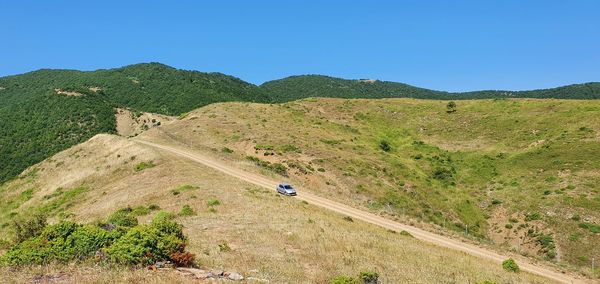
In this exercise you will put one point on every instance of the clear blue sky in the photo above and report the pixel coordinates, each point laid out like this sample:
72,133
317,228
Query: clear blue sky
445,45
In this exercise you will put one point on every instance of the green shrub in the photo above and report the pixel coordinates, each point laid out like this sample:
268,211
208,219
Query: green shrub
405,233
63,242
123,217
278,168
385,145
532,216
187,211
369,277
213,202
343,280
510,265
226,150
547,243
441,173
263,147
592,227
289,148
25,229
146,244
67,241
144,165
153,207
88,239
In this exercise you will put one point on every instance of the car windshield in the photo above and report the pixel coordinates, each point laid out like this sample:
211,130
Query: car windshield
288,187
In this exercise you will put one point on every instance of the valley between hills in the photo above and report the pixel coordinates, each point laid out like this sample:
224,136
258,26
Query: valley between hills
393,180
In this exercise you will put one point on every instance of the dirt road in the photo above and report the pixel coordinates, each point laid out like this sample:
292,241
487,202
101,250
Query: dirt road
524,263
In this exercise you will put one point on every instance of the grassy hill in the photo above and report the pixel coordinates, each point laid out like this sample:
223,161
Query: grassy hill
498,171
46,111
89,181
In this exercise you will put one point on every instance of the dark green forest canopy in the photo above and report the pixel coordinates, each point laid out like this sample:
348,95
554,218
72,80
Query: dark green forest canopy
36,122
298,87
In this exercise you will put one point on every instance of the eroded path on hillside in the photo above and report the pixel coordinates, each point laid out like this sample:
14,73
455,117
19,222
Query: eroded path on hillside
443,241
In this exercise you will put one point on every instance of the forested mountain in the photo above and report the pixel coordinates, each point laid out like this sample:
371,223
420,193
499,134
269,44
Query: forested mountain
297,87
46,111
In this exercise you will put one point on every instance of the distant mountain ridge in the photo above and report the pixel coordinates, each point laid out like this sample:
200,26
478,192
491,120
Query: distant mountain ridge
297,87
48,110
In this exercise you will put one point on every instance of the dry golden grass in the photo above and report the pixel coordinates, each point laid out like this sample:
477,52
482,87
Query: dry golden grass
269,236
89,274
494,146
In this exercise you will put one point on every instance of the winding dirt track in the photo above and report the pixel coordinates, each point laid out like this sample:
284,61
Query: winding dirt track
524,263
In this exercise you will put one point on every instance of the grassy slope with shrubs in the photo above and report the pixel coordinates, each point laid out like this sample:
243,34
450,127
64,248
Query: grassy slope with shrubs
457,170
96,178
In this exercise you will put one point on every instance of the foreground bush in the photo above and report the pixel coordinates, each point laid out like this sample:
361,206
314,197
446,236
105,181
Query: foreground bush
62,242
146,244
67,241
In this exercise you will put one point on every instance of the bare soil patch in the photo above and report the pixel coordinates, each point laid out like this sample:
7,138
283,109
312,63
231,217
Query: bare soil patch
131,124
67,93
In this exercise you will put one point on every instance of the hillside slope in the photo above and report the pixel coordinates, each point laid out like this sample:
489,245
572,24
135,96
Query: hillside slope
46,111
273,233
497,171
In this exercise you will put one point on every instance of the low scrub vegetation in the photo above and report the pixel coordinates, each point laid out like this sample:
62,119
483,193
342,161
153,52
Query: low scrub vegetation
591,227
510,265
118,240
187,211
144,165
277,168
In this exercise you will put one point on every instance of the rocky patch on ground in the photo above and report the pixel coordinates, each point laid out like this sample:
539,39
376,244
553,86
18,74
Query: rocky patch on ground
210,274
